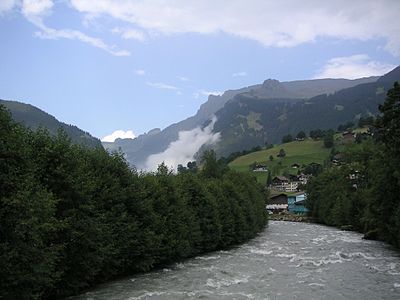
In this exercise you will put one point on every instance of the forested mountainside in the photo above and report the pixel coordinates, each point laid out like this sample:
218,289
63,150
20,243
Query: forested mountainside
34,117
247,121
155,141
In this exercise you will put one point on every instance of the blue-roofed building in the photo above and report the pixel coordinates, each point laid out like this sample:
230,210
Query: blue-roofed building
297,203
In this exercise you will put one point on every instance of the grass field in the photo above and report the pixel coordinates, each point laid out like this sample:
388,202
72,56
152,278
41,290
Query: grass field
302,153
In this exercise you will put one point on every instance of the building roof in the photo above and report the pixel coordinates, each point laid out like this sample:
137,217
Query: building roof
281,178
278,199
296,194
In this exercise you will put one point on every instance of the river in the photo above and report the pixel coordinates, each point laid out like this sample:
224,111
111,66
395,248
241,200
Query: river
286,261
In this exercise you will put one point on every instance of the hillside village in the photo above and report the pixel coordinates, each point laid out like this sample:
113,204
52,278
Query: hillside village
287,171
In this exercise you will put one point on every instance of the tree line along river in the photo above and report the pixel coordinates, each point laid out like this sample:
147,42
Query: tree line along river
286,261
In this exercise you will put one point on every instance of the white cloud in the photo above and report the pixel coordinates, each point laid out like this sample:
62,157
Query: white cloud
202,92
239,74
36,7
6,5
183,150
140,72
351,67
118,134
160,85
130,34
55,34
35,10
183,78
283,23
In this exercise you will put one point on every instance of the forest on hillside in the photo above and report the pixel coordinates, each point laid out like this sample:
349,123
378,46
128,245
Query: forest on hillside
248,121
33,117
72,216
362,194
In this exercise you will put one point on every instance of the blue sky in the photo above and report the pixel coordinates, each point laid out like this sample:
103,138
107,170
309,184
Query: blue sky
136,65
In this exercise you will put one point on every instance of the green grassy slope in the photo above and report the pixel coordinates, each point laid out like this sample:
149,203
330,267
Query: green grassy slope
302,153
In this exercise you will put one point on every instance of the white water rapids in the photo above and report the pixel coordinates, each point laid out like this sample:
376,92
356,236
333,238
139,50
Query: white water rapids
286,261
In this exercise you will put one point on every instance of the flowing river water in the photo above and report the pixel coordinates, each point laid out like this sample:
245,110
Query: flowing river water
286,261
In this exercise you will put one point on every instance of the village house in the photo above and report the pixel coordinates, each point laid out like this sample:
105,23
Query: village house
354,174
348,137
282,184
277,203
260,168
303,178
296,203
337,159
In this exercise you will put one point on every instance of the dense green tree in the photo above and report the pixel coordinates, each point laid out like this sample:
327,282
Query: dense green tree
287,138
313,169
180,168
192,166
388,123
367,121
388,182
316,134
328,140
269,179
71,216
211,168
363,192
301,135
28,254
346,126
282,153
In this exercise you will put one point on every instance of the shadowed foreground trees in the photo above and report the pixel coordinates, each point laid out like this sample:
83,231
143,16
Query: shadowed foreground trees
364,192
71,217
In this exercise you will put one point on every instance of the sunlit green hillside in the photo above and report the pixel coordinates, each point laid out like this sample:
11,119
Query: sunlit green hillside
297,152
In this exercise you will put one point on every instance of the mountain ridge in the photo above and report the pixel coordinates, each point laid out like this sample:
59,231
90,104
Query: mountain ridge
246,121
33,117
138,149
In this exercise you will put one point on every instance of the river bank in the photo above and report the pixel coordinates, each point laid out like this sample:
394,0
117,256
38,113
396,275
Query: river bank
289,217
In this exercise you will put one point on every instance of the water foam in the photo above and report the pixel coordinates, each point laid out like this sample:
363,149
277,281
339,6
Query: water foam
208,257
147,294
316,284
261,251
225,282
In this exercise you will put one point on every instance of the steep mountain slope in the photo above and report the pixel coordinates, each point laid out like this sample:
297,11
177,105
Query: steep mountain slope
247,121
155,141
33,117
270,89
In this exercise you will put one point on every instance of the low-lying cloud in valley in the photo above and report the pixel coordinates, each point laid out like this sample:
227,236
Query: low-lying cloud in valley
183,150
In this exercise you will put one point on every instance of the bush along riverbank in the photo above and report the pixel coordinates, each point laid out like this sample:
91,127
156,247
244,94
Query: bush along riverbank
362,193
72,217
290,217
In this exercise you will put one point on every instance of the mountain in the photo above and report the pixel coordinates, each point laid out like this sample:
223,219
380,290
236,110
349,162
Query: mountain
247,121
271,88
137,150
33,117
